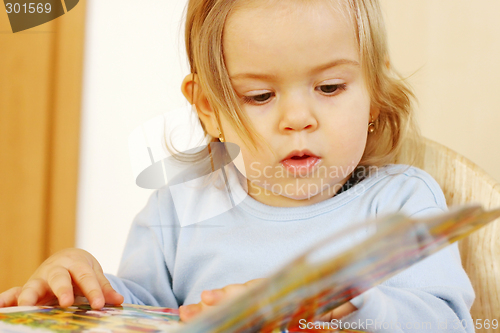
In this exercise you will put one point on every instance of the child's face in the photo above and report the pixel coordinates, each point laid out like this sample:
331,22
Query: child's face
298,70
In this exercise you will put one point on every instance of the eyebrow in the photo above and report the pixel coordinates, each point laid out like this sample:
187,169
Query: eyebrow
273,77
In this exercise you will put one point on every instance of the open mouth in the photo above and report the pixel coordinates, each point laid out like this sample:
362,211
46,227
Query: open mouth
300,162
299,157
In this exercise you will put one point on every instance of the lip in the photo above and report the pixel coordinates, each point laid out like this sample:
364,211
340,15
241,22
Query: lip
299,153
303,166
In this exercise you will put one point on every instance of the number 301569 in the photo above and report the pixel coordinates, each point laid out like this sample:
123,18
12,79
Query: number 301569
31,8
478,323
486,323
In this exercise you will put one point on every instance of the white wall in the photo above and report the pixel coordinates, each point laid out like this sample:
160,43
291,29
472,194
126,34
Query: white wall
134,65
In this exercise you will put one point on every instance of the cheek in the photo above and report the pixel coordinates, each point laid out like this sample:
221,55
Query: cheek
348,143
253,166
261,123
347,130
351,124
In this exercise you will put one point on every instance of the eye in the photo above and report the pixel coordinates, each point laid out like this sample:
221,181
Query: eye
257,99
332,89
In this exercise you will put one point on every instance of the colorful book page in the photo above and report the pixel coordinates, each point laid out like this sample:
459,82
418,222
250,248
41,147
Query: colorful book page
111,319
81,318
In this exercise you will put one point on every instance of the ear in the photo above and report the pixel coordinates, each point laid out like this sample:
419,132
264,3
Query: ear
374,112
191,89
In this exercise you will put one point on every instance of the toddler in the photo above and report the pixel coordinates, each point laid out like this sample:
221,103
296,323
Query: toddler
305,89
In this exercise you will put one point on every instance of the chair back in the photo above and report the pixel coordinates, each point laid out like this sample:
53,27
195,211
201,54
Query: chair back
464,182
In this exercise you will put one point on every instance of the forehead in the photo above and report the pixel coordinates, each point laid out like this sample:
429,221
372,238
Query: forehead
268,35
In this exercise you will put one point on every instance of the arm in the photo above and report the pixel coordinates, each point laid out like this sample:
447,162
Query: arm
436,292
143,276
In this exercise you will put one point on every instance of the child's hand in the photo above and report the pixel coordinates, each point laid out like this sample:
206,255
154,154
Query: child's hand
68,273
210,298
339,312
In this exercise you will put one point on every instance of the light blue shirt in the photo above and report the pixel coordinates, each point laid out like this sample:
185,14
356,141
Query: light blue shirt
166,264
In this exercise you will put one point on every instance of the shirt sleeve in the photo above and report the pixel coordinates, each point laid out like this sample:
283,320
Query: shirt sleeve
143,276
433,295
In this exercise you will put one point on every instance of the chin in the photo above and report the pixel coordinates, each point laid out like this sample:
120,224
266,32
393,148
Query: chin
300,197
299,192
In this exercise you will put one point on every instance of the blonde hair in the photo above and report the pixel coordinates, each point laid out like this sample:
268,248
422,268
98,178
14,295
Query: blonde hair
205,20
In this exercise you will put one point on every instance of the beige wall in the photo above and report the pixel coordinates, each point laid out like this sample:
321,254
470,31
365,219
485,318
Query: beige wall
451,49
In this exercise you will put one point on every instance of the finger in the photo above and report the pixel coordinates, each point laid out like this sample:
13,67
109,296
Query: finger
326,317
254,282
32,292
213,297
344,310
84,276
188,312
110,295
9,297
60,283
339,312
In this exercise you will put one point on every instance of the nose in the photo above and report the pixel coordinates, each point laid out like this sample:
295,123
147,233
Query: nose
297,115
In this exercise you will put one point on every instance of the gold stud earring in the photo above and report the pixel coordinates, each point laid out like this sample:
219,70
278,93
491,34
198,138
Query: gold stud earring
371,125
221,139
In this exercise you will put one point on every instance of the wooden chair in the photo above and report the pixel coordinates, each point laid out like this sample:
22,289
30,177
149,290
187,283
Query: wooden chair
464,182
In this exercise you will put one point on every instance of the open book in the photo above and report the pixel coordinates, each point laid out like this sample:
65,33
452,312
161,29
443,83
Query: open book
312,284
